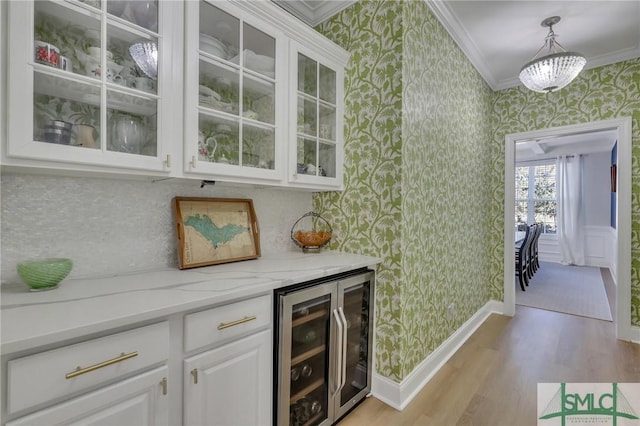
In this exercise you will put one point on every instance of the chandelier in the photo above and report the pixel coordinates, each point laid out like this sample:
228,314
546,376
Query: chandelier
554,70
145,54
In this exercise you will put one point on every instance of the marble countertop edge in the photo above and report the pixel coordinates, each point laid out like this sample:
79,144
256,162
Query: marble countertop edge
82,307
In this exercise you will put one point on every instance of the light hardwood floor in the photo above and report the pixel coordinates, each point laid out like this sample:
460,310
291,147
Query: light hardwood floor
492,379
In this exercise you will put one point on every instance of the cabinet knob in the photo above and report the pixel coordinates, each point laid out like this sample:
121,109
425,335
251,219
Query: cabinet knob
193,162
167,162
194,374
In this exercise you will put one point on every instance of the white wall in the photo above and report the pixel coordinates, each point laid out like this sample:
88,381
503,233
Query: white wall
109,226
597,189
599,236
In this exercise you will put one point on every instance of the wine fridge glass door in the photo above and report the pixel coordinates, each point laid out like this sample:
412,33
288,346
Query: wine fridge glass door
355,301
305,379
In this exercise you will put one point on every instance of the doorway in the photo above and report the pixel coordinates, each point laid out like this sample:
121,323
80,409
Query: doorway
622,126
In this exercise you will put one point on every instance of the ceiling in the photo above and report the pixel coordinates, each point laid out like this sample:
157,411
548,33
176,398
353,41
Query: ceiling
551,147
499,37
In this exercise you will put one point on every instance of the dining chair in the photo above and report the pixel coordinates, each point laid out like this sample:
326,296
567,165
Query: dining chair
521,256
530,268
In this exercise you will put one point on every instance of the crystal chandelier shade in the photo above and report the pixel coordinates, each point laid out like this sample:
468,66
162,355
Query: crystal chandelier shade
146,56
556,69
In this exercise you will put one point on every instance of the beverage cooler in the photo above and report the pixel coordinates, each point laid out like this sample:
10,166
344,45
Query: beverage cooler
323,348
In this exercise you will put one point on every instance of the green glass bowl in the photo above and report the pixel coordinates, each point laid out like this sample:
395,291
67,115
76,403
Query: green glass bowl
44,274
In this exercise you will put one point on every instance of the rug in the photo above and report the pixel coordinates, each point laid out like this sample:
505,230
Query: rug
577,290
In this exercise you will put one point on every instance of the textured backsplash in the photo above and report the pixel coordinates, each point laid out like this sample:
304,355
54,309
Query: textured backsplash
110,226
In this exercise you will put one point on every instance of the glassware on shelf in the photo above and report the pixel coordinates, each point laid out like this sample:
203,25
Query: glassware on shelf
127,134
58,132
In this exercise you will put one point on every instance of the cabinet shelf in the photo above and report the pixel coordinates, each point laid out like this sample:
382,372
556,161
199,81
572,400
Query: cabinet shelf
306,390
308,354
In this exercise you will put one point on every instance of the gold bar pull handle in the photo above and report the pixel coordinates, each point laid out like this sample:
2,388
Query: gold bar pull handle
224,325
194,374
80,371
163,383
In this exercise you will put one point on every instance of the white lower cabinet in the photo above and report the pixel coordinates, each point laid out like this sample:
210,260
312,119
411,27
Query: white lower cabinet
230,385
140,400
222,354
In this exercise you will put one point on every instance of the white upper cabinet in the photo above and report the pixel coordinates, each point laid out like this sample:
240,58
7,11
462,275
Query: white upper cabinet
76,98
235,83
242,91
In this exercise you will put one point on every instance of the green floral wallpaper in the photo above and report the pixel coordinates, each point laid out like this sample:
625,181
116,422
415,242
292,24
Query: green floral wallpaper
598,94
417,170
424,169
366,216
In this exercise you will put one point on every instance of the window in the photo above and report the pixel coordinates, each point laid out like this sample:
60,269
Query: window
536,196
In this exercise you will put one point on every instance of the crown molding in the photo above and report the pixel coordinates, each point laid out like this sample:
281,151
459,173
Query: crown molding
459,34
313,16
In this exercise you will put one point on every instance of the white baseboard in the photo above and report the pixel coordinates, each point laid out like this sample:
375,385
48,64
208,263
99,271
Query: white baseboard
398,395
635,334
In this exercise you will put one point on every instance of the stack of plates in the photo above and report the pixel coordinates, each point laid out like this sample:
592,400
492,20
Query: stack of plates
213,46
208,97
260,63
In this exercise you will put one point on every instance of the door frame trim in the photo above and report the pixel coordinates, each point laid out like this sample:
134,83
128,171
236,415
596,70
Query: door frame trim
623,127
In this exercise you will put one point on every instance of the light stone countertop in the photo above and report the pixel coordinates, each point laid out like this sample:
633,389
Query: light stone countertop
80,307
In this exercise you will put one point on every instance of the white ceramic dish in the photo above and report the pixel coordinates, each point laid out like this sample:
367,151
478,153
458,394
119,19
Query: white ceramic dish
252,60
213,46
207,92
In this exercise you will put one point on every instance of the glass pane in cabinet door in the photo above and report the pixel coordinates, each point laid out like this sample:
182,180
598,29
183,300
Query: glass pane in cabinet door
259,51
327,84
219,32
258,101
327,160
327,127
131,124
356,311
93,3
63,38
122,69
219,88
307,75
307,116
140,12
65,112
218,140
306,156
309,374
258,147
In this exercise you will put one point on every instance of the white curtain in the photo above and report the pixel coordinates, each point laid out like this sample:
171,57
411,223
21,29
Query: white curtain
570,209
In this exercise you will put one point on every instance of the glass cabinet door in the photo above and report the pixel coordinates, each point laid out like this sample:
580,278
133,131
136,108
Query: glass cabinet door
88,97
318,120
237,123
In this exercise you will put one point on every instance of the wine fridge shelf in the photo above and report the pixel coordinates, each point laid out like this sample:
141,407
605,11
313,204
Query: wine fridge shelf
306,391
310,317
308,354
312,420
